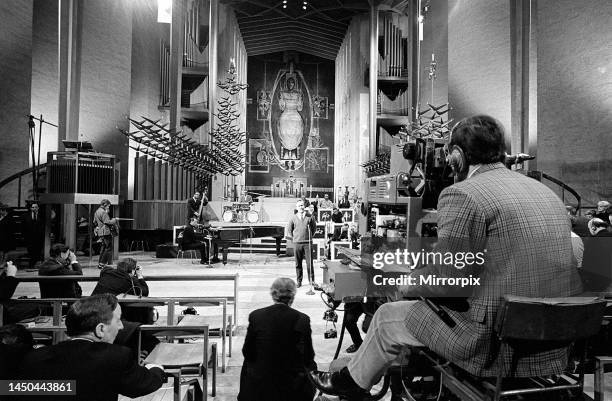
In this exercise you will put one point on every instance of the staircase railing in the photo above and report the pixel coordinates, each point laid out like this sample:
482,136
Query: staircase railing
19,177
538,175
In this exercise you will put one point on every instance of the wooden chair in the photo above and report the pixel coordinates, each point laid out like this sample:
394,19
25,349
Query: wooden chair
527,326
187,362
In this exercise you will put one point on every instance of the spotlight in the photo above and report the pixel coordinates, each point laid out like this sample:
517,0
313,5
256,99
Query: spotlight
303,7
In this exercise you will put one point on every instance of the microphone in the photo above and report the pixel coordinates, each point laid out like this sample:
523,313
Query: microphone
517,158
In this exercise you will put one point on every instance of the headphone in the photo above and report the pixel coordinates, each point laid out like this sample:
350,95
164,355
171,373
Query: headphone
457,160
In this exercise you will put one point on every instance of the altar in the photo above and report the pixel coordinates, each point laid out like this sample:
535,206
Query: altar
291,187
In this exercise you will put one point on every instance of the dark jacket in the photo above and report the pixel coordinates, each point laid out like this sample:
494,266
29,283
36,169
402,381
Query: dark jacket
193,207
113,281
6,234
10,357
596,269
190,236
8,284
61,288
34,230
277,351
101,370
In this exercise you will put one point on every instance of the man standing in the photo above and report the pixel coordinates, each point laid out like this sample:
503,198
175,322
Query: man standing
277,350
34,233
300,230
475,215
103,231
193,206
101,369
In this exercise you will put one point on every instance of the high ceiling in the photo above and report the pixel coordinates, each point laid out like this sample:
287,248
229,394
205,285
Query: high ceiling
267,27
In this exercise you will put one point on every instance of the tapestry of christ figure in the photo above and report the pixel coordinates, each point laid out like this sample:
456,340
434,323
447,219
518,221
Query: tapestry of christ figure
290,122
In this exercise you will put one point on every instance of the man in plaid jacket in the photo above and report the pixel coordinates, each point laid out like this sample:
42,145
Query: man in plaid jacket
521,227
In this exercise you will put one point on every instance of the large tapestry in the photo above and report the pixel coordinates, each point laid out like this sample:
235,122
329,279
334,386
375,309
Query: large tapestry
289,120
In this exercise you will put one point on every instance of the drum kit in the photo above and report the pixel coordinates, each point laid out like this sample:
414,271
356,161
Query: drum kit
240,212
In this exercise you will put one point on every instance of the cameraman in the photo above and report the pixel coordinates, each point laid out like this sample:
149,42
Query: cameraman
127,278
61,262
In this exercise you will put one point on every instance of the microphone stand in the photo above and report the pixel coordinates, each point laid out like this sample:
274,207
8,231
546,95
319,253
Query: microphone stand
310,291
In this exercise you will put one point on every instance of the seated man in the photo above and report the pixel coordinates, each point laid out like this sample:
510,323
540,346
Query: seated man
127,278
101,369
208,215
474,215
61,262
193,240
277,350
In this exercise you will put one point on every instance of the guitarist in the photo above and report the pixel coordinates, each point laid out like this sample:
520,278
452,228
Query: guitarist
104,228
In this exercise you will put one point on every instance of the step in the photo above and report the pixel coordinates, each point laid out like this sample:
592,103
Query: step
256,245
272,241
255,250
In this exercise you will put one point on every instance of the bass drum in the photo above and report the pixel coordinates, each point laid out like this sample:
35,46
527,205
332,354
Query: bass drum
252,216
229,216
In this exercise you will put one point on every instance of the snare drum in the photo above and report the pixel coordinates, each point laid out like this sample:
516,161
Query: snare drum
229,216
252,216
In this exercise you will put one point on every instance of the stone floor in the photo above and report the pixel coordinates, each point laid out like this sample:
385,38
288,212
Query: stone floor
256,274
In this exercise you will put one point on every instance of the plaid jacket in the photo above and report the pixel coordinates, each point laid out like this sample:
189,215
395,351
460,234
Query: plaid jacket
526,233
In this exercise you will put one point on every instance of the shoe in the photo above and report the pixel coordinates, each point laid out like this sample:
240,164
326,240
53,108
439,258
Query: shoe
215,260
338,383
317,287
352,348
299,284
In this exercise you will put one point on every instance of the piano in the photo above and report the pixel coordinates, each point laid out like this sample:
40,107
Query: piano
226,235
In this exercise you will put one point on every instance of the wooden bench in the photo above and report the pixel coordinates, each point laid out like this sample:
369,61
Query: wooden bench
57,305
234,277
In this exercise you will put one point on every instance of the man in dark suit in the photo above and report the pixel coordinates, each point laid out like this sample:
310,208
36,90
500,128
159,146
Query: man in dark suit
193,206
277,350
34,233
523,227
101,369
